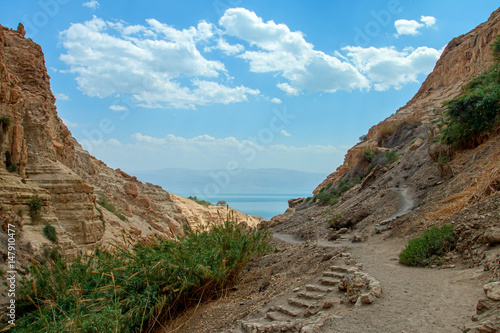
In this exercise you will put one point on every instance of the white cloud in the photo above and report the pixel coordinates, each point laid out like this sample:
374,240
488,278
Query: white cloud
62,97
117,108
92,4
429,21
411,27
228,49
156,64
286,52
276,100
285,133
406,27
387,67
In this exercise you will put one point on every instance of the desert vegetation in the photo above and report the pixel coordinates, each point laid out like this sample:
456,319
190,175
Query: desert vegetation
133,290
471,117
428,248
200,202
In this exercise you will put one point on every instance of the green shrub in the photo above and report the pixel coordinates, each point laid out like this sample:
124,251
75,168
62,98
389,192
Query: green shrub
470,117
331,222
326,212
369,153
35,204
363,137
328,196
200,202
134,290
427,249
51,233
391,156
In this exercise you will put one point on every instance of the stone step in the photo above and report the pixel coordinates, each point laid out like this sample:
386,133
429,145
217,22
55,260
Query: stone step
286,310
301,303
322,289
278,316
339,269
327,281
334,275
267,327
312,295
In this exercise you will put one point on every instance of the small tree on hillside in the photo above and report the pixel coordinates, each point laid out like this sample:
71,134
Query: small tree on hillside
221,203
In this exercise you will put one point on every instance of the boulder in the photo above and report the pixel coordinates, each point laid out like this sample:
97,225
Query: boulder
492,235
416,144
131,190
294,202
492,290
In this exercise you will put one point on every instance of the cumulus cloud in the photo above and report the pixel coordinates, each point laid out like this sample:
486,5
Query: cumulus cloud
387,67
285,133
276,100
429,21
280,50
224,46
92,4
156,64
412,27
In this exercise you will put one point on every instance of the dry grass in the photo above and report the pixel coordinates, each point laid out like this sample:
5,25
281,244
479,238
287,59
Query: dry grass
481,186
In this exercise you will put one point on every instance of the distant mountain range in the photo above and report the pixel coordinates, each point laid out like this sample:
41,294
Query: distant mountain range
185,181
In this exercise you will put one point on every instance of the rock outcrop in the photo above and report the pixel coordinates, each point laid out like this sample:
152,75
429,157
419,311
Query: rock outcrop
89,204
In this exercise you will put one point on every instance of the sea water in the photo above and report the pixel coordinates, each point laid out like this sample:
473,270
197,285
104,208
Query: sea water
265,205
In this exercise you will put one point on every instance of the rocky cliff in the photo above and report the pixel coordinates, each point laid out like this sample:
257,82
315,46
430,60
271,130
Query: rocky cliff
400,180
46,178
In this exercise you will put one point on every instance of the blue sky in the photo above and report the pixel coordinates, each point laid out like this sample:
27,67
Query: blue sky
147,85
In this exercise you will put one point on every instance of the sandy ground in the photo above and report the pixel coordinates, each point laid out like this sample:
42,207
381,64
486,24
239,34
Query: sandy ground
415,299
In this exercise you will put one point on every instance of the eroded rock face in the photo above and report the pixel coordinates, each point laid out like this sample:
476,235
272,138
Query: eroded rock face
464,58
40,158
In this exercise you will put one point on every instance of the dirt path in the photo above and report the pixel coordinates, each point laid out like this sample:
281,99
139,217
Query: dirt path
414,299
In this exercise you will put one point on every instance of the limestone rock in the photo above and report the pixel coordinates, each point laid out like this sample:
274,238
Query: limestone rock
492,290
419,142
294,202
131,189
21,30
492,235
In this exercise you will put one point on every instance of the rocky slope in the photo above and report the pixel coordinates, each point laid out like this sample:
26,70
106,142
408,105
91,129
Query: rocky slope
400,181
40,160
376,187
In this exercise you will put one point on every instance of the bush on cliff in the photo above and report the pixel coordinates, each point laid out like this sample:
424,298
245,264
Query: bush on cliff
132,291
473,115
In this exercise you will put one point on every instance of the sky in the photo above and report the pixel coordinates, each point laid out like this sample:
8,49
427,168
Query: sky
229,84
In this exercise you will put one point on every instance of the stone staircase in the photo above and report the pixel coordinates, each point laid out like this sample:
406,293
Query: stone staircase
311,305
